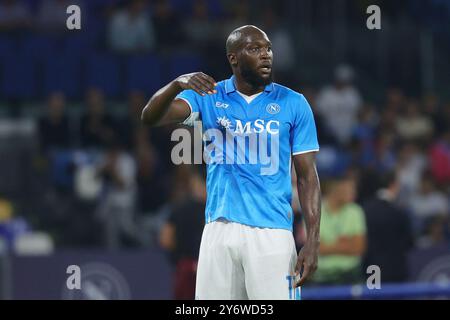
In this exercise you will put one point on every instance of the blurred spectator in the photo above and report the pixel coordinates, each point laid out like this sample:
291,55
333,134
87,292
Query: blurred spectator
54,127
389,234
434,233
385,152
439,157
428,200
6,209
238,14
342,235
131,28
151,180
117,204
411,163
55,158
181,176
339,104
168,29
368,183
395,100
324,135
388,120
97,127
282,45
171,190
198,27
413,125
130,125
366,124
14,16
364,134
431,108
443,119
181,236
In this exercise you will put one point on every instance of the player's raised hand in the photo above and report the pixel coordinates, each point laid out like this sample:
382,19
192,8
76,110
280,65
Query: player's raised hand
197,81
306,263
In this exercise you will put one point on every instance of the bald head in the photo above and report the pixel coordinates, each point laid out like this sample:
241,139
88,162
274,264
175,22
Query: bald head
239,36
249,52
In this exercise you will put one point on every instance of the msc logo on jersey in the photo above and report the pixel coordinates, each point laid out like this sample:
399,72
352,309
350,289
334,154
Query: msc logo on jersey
258,126
273,108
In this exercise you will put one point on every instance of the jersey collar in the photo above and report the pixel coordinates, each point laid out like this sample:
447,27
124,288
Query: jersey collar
230,87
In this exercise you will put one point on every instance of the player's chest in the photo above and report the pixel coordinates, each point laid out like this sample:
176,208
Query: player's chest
263,116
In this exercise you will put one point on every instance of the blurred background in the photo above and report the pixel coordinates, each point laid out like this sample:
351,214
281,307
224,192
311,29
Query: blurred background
82,182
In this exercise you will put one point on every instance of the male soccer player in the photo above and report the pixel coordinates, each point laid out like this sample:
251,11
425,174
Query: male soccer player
247,249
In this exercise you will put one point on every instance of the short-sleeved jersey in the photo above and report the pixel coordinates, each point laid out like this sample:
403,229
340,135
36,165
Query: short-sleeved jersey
248,149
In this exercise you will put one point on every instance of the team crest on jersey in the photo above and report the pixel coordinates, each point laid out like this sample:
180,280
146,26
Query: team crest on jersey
273,108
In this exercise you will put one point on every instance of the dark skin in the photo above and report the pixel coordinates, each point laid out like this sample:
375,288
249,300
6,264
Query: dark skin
250,56
309,194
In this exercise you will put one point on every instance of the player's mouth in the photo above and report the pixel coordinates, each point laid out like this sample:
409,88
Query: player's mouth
266,68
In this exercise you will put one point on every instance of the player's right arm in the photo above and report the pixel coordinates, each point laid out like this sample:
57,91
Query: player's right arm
163,108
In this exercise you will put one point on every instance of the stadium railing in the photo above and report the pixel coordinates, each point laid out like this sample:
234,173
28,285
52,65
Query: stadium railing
387,291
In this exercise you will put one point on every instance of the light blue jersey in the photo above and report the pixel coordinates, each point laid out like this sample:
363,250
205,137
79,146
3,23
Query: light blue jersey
250,147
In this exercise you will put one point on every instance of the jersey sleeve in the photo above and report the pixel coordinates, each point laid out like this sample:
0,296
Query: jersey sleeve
193,100
304,135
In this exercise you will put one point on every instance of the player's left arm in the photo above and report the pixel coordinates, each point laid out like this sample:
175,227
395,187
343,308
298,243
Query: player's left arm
308,188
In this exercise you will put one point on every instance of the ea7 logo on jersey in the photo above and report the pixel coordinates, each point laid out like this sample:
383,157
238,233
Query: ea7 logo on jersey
257,126
273,108
222,105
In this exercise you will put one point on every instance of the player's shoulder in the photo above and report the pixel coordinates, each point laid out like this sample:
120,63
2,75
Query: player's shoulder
295,100
288,92
221,84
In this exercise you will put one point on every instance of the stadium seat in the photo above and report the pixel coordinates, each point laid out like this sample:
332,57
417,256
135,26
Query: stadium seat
18,77
103,72
62,73
182,6
100,4
33,5
215,8
143,73
61,173
78,44
7,46
90,37
37,47
183,63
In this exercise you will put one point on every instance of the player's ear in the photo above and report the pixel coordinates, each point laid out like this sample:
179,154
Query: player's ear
232,59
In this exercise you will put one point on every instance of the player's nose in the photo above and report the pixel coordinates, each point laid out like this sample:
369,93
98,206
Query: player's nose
265,54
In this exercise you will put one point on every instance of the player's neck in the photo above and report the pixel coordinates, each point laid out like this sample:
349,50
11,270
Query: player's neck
247,88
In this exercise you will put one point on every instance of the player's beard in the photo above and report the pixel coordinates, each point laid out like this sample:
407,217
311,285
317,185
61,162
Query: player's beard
252,77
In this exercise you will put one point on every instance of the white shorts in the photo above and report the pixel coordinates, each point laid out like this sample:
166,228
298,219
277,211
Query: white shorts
240,262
